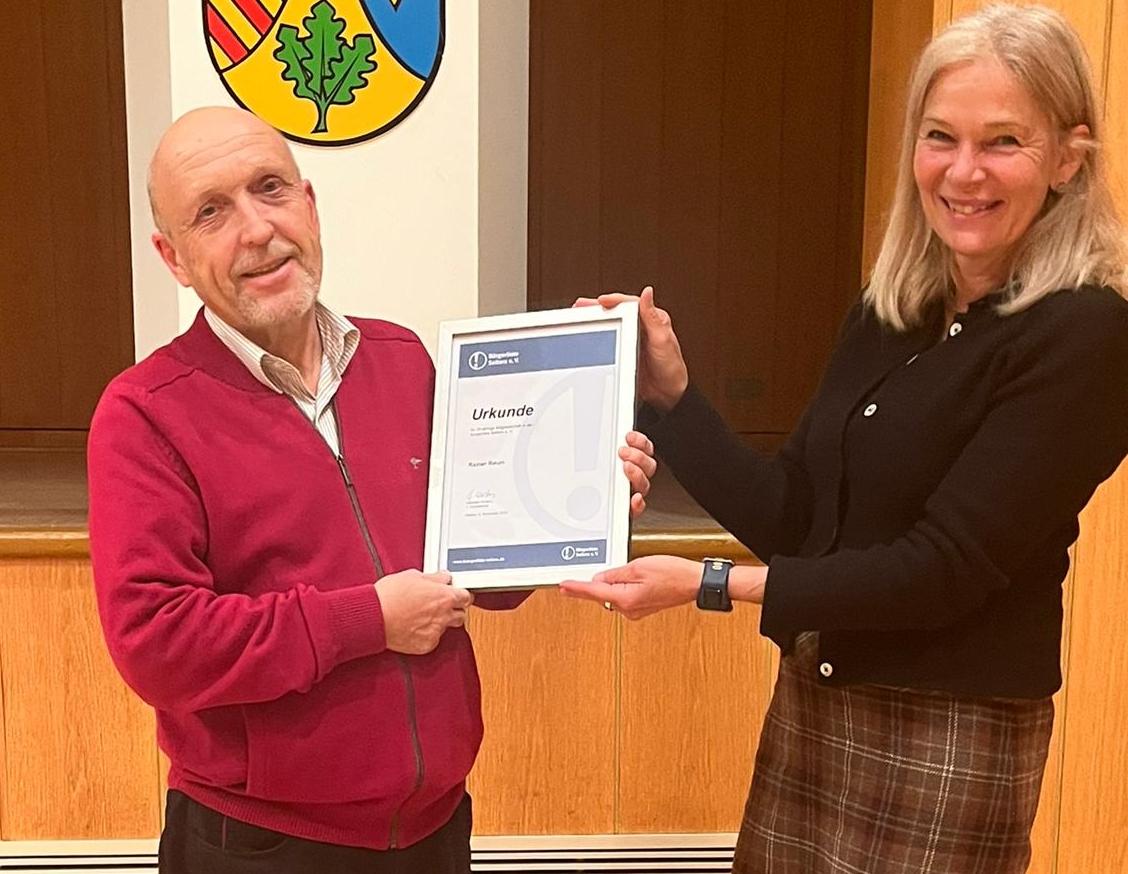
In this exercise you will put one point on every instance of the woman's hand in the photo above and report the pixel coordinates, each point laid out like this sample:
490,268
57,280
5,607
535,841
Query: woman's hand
639,465
643,586
662,374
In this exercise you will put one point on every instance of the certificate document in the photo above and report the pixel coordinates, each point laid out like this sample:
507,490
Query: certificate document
526,485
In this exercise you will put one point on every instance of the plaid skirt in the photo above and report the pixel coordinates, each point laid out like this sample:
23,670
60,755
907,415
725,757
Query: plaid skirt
878,780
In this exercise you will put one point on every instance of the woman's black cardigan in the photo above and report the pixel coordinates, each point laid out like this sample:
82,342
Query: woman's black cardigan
919,516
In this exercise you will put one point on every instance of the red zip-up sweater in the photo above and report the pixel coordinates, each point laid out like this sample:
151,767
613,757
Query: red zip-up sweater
234,577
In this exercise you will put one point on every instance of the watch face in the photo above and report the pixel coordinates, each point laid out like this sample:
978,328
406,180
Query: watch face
713,598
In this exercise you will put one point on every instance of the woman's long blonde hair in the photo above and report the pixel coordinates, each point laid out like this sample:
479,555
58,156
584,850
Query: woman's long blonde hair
1077,239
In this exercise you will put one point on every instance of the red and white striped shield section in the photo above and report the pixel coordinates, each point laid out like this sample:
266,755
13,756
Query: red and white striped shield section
236,27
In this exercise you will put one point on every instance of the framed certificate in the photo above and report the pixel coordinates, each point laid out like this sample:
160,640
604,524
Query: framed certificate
526,485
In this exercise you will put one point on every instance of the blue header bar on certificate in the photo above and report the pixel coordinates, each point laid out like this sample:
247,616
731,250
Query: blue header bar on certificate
557,352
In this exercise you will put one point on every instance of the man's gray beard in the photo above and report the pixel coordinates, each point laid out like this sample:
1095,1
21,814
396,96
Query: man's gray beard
259,313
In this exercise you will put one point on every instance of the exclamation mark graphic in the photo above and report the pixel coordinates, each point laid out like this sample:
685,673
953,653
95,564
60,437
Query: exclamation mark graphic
589,396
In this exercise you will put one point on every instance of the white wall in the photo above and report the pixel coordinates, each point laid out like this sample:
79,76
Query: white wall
148,94
426,222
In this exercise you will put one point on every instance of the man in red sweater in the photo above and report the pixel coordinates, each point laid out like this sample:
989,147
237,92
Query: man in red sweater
257,506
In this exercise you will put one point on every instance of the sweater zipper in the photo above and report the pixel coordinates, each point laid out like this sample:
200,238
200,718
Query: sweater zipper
405,668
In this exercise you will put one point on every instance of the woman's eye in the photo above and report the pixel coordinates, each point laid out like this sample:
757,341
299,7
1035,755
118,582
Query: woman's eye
1006,140
938,136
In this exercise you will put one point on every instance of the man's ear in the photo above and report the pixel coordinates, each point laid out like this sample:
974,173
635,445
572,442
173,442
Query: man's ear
167,251
307,187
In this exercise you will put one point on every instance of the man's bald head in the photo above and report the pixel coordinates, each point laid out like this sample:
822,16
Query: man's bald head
237,222
196,134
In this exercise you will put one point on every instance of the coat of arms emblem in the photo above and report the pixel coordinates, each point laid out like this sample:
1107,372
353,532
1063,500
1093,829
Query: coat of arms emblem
326,72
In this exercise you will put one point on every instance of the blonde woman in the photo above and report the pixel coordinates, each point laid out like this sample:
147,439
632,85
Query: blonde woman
914,528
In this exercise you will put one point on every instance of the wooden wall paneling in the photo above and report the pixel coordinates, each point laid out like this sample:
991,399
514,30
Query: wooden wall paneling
956,8
534,230
21,439
636,67
692,71
676,165
27,394
547,764
901,28
89,242
565,84
64,266
812,297
119,351
3,721
1116,102
87,758
162,782
855,74
1044,835
1046,832
749,234
1094,801
695,688
942,15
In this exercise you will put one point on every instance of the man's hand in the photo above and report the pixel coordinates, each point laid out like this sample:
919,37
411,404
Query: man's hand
418,608
662,374
639,465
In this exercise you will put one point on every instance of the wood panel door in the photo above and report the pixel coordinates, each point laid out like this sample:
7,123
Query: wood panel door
66,312
716,151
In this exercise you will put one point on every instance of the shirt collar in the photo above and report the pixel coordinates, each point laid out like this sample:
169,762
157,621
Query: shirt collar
339,339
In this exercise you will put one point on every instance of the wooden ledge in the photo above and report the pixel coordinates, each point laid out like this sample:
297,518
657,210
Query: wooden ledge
44,543
44,515
75,543
696,544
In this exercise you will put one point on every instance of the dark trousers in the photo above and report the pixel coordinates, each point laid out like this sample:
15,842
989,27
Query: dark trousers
197,840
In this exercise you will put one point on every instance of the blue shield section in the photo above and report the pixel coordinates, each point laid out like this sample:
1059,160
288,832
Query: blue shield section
413,30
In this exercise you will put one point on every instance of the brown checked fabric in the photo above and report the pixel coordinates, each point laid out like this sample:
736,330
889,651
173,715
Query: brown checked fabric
880,780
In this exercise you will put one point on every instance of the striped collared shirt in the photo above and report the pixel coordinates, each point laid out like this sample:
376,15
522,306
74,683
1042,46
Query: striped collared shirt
339,339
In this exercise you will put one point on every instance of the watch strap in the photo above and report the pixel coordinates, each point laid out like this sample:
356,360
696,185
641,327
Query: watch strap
713,593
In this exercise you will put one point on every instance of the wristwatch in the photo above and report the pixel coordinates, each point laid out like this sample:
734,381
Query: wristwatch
713,593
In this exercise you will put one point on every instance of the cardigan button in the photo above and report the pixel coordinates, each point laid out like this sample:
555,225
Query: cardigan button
870,410
955,329
826,669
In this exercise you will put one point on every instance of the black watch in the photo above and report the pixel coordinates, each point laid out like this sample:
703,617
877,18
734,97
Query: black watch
713,593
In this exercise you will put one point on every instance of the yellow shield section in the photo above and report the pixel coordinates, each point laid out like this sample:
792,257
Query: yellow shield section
256,83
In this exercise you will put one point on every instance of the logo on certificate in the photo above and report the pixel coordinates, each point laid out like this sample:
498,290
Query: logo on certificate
326,72
477,360
586,551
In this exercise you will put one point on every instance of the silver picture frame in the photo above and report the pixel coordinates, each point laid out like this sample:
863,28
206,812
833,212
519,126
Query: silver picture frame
526,488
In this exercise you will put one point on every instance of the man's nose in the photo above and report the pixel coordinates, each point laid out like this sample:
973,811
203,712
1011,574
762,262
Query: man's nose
255,228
